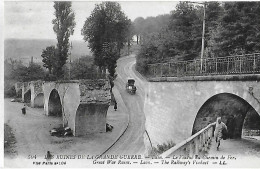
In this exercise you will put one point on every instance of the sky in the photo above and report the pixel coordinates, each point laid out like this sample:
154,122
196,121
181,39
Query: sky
32,20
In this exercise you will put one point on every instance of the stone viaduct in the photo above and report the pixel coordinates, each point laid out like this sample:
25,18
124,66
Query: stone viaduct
82,104
32,93
176,108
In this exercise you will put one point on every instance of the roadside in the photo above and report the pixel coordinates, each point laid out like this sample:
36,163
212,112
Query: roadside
9,142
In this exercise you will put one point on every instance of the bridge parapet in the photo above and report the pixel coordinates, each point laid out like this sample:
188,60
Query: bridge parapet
239,64
37,85
197,144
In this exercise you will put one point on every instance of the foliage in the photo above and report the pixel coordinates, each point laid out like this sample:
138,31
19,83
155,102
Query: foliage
48,56
63,26
83,68
35,72
161,148
15,71
106,30
238,29
231,28
9,90
186,25
22,73
144,27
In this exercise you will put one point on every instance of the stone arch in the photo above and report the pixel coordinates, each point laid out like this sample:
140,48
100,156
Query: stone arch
39,100
19,93
225,105
54,104
27,96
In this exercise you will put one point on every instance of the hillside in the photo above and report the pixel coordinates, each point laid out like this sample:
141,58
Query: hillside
24,49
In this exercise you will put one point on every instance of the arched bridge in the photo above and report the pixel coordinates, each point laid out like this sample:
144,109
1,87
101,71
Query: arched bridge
82,104
181,101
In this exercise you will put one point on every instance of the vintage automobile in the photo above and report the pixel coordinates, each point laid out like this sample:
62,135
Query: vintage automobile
61,132
130,86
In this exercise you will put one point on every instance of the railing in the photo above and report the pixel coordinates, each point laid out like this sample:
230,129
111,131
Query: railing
197,144
239,64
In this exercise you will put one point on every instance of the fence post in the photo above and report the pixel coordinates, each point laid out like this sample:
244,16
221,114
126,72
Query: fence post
186,68
191,149
154,70
216,60
195,67
205,65
254,65
169,69
227,64
161,70
240,66
177,71
196,141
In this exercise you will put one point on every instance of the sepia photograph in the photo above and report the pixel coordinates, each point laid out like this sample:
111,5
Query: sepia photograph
130,84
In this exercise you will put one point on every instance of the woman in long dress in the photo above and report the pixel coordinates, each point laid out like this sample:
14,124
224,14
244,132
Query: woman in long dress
220,126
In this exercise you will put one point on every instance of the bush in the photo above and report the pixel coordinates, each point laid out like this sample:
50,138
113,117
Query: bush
162,148
9,91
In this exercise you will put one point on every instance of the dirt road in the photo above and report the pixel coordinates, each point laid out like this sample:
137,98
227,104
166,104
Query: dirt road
32,135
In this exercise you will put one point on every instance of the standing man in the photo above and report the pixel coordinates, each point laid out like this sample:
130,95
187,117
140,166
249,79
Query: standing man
24,109
115,105
220,127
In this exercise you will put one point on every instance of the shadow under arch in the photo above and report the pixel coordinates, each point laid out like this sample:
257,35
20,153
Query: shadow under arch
236,112
39,100
90,118
19,93
54,104
27,97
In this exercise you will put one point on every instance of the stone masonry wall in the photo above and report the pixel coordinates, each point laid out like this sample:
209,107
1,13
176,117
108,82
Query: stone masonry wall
171,107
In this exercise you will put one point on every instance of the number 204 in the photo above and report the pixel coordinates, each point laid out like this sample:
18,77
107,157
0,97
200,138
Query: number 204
31,157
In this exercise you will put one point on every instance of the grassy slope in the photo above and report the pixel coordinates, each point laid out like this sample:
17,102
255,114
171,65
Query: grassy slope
9,142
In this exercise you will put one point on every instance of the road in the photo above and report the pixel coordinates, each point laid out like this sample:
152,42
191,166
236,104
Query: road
244,147
132,142
32,130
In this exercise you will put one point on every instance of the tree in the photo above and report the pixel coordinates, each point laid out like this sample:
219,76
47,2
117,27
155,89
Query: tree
176,36
238,29
187,27
48,56
144,27
138,24
83,68
64,24
106,31
35,72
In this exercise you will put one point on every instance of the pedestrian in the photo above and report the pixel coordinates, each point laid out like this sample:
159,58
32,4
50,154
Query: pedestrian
115,105
220,127
48,156
24,109
231,126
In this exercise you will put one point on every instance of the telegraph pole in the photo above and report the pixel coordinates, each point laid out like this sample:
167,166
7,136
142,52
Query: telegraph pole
203,37
203,33
70,58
